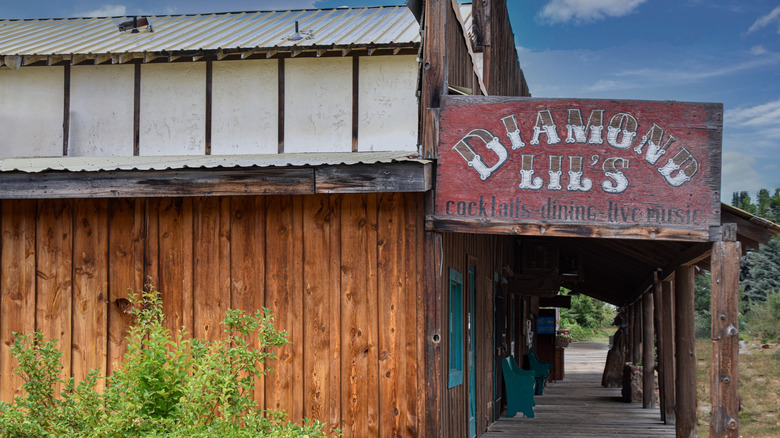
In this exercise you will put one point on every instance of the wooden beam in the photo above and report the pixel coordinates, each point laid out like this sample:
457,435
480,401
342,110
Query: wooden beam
434,67
724,372
561,301
648,353
685,410
752,231
280,106
667,351
658,321
635,333
688,257
433,259
209,103
137,110
355,101
357,178
66,110
197,182
439,223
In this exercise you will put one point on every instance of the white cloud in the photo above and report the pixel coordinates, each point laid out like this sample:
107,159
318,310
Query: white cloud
739,174
761,120
582,11
766,20
105,11
758,50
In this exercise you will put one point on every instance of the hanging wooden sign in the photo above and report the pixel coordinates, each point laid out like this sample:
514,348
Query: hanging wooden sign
609,168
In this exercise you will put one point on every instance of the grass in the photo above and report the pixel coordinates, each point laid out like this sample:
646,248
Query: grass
759,386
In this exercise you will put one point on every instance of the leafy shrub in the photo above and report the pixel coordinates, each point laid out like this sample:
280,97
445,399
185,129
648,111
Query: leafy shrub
764,317
166,387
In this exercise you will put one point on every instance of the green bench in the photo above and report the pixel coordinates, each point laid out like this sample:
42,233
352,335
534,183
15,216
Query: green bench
520,385
541,371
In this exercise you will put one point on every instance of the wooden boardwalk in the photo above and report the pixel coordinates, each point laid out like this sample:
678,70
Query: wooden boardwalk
579,406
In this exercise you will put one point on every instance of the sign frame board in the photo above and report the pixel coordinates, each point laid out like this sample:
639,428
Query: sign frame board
579,167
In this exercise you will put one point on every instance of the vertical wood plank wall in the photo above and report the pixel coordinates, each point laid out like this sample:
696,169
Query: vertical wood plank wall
492,253
340,272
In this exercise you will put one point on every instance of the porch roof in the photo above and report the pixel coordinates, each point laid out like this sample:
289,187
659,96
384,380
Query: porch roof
618,271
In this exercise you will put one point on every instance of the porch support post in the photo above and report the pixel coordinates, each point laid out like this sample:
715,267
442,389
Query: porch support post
632,326
659,341
636,338
433,366
648,355
685,410
667,351
724,372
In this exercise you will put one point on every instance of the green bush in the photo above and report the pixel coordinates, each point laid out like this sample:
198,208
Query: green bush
764,317
167,386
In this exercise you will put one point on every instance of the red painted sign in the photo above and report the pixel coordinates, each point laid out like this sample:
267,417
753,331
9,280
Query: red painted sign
566,161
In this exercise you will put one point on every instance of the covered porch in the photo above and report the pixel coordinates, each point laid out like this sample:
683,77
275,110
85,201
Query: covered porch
579,406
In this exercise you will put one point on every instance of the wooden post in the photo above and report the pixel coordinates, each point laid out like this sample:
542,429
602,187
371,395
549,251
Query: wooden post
658,321
685,410
432,341
648,355
636,337
434,85
667,351
630,337
724,372
434,70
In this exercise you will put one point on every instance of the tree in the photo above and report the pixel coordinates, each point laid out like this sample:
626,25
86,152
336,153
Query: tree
742,200
760,270
764,271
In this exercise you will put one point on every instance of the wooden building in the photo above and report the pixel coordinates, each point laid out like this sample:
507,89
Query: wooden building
303,161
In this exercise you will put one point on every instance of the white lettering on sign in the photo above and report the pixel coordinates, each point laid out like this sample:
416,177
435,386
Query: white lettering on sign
621,133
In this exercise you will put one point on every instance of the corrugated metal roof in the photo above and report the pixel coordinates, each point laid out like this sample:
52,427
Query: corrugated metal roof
95,164
262,30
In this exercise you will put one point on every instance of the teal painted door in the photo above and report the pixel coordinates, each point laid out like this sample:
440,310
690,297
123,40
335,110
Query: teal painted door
472,389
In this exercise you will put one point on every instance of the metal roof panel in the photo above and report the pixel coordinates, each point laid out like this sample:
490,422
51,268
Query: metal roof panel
96,164
340,27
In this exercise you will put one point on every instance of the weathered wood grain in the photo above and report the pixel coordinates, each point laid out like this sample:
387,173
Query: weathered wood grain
174,254
247,263
126,270
54,275
667,355
724,372
414,340
90,288
361,178
321,330
17,286
391,305
284,295
211,269
685,356
438,223
648,348
192,182
432,338
360,398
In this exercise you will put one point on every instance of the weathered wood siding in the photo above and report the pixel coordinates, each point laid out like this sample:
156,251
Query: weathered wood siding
501,72
489,254
459,63
340,272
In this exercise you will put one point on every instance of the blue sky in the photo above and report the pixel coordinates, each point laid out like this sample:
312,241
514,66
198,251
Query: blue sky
686,50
